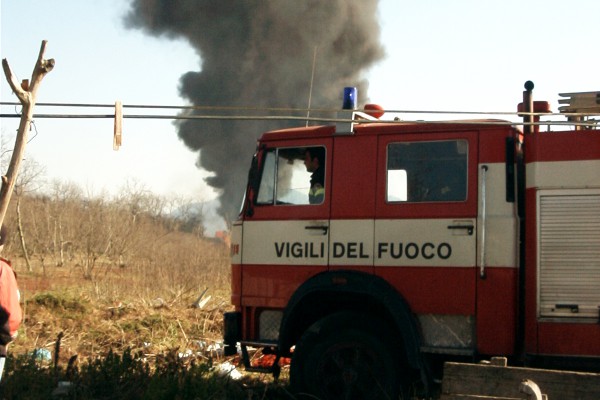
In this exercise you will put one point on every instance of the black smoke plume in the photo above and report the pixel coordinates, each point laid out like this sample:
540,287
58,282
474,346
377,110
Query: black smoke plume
259,53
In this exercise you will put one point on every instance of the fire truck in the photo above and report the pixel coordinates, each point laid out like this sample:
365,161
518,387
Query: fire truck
432,240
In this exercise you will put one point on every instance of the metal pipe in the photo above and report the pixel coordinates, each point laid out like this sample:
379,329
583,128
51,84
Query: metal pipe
484,169
528,108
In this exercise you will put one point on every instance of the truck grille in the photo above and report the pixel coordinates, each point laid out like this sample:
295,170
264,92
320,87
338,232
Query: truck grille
269,322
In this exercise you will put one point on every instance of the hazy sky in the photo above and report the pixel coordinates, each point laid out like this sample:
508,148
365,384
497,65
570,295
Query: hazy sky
440,55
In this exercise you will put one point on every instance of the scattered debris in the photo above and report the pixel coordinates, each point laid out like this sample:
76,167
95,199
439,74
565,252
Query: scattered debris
158,303
227,369
42,354
201,301
267,360
63,389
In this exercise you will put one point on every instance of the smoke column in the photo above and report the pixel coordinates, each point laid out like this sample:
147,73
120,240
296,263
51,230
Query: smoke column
259,53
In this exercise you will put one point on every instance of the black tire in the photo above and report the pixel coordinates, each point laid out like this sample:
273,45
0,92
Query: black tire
346,356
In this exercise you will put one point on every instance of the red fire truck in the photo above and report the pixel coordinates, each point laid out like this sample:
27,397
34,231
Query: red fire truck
431,240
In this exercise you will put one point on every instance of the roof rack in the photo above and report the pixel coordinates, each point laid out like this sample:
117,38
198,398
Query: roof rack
582,102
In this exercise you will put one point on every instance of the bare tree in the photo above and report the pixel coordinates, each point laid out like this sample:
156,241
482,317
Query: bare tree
28,181
66,198
26,92
185,215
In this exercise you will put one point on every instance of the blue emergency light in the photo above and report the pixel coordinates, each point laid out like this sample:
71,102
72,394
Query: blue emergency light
349,98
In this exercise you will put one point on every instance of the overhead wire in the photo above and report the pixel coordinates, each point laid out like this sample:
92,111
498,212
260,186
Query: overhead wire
266,114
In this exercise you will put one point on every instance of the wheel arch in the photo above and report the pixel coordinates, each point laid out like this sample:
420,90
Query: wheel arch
334,291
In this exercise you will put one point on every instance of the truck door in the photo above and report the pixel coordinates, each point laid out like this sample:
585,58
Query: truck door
426,231
285,237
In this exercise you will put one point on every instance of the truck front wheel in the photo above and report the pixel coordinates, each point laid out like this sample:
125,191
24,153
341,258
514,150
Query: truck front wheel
346,356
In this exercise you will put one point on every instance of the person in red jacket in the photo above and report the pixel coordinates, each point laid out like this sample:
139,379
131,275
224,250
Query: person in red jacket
10,309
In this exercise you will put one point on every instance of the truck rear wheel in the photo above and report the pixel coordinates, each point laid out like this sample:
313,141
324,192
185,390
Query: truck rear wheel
346,356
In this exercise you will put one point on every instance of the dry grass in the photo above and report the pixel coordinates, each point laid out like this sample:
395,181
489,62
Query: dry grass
144,307
111,293
128,333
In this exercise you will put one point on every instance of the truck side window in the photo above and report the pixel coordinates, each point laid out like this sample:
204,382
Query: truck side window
267,180
427,171
292,176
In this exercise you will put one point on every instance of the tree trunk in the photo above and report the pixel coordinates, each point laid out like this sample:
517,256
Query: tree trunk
27,94
22,236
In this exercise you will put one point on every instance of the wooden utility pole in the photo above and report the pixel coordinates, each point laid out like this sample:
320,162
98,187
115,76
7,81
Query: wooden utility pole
26,92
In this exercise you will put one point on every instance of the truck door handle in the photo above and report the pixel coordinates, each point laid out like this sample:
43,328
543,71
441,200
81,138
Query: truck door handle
574,308
323,228
469,228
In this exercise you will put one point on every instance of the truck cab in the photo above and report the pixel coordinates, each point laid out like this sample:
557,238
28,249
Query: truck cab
429,240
